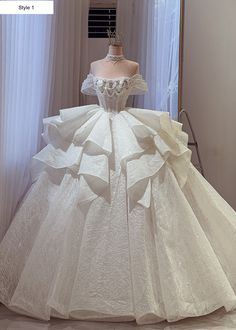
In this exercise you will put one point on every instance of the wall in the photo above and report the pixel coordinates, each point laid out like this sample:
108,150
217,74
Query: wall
209,88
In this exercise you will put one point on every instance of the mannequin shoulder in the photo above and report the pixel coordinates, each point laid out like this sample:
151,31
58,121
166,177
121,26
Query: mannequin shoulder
95,64
128,67
133,63
133,66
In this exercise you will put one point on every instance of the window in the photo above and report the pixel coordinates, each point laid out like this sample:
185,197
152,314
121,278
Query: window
100,20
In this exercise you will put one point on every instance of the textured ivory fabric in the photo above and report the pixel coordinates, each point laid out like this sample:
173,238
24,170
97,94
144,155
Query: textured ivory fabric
118,224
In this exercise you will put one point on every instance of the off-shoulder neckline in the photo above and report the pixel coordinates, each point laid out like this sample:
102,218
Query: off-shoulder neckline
117,78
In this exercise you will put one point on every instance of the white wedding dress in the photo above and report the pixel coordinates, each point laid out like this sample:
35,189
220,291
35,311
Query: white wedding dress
118,224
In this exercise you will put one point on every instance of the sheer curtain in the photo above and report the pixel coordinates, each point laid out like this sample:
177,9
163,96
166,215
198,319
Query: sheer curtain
70,54
40,61
25,77
152,39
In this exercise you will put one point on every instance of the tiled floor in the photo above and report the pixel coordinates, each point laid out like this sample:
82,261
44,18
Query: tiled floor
218,320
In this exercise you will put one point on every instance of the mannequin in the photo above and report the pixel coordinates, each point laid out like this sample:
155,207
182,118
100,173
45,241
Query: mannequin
111,67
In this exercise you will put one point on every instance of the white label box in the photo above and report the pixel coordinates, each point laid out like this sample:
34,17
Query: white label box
26,7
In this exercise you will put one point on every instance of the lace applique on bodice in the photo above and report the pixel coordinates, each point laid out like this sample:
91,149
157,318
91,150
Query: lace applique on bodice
113,93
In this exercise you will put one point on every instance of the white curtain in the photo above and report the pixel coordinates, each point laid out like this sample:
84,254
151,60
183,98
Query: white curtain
40,61
25,78
70,54
150,30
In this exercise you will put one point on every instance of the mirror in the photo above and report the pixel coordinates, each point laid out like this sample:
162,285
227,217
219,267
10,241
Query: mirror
207,88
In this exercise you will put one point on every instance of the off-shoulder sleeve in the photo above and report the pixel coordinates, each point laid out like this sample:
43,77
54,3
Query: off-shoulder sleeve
88,85
139,85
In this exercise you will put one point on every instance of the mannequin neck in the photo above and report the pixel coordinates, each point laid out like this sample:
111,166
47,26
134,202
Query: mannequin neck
115,50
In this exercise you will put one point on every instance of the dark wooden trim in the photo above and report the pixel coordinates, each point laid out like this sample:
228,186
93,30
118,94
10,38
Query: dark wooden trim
181,55
103,3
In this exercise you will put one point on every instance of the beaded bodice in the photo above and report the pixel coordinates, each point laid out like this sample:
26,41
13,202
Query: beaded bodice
113,93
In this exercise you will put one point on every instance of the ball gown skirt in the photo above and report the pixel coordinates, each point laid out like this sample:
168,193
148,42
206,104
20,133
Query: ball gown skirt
118,224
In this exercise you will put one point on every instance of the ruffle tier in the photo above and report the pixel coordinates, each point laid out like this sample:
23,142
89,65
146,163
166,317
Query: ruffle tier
80,139
169,261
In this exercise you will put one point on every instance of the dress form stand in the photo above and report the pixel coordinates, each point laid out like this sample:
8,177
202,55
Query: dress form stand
194,142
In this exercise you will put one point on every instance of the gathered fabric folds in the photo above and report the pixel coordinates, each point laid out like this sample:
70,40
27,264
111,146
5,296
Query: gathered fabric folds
80,139
118,225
